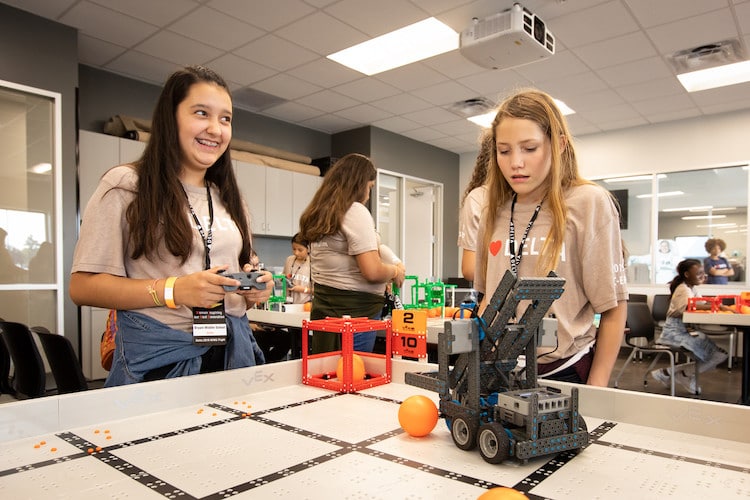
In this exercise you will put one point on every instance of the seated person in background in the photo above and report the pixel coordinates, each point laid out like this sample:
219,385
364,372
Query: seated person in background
717,268
676,334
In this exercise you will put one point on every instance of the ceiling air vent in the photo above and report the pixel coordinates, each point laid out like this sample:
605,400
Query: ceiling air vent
707,56
472,107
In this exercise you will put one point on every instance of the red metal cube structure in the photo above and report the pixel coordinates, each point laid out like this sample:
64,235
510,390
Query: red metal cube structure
320,369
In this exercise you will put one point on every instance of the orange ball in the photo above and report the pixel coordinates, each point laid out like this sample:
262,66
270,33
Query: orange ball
307,307
358,368
502,493
417,415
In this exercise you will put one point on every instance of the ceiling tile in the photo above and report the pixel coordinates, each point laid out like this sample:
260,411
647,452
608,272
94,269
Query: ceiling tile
276,53
453,65
215,29
292,112
158,12
363,113
286,86
95,52
240,70
366,89
143,67
661,87
328,101
325,73
265,15
495,83
693,32
44,8
650,13
444,93
376,18
173,47
636,72
614,51
322,33
423,134
562,64
411,76
107,24
401,103
582,83
597,23
396,124
662,105
431,116
331,124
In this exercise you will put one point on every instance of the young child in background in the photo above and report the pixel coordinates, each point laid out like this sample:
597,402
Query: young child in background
297,271
676,334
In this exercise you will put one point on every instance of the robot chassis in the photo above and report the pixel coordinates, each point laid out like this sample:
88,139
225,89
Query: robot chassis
485,398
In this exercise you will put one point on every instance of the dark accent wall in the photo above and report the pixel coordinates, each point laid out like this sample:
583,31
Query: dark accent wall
397,153
43,54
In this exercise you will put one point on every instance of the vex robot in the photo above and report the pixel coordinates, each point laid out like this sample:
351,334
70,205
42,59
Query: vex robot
486,399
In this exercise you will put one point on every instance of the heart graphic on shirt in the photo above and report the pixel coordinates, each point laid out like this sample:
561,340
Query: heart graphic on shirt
495,246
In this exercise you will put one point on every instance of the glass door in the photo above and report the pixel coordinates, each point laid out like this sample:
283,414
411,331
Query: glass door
30,207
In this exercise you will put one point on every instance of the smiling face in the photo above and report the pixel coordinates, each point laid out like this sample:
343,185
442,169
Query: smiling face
204,122
524,155
695,275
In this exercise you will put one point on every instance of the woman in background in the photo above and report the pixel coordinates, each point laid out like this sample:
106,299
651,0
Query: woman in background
348,274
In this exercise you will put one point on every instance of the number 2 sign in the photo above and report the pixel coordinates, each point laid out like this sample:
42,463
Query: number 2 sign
409,333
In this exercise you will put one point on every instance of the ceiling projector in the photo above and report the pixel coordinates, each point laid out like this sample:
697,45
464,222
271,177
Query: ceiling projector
511,38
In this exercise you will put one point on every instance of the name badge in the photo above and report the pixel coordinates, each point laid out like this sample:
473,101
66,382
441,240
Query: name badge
210,325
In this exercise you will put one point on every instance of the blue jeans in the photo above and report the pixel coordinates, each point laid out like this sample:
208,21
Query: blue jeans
143,344
675,334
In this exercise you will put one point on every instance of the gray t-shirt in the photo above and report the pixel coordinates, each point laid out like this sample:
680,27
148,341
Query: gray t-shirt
103,244
333,259
591,262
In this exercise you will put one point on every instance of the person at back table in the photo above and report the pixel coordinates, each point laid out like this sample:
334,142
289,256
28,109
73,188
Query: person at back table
717,268
676,334
157,234
349,276
471,209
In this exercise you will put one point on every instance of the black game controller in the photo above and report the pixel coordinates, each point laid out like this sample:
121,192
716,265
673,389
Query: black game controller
247,281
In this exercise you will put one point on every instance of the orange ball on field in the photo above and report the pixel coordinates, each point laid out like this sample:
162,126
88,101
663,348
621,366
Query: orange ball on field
307,307
358,368
417,415
502,493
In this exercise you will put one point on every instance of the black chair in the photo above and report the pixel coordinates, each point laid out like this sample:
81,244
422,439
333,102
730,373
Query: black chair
62,361
639,335
4,370
29,377
637,297
659,308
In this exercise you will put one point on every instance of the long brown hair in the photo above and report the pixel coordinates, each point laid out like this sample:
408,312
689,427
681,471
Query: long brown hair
540,108
345,183
159,210
479,174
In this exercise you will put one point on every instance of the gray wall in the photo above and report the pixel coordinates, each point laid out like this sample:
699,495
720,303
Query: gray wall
44,54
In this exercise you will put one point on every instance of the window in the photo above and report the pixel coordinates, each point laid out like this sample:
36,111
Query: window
671,215
30,207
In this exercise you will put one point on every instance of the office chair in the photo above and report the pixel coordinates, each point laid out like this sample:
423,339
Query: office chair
4,370
29,378
639,335
637,297
62,361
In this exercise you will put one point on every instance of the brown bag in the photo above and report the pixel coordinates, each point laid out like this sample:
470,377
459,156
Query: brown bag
107,345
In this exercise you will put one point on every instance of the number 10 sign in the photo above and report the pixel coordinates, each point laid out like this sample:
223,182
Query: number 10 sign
409,333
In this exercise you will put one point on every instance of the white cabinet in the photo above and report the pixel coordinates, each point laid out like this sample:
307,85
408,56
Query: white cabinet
97,154
303,189
268,194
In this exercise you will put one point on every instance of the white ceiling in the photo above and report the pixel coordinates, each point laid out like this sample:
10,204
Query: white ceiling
611,64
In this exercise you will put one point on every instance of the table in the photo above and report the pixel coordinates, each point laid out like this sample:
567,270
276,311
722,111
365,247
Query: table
258,433
742,321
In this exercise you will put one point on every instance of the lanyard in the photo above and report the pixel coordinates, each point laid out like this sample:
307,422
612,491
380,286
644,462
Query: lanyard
206,238
515,258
